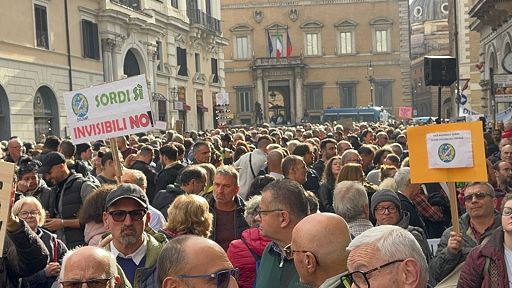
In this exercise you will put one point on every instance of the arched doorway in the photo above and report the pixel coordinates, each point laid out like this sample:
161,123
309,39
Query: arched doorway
46,113
131,65
5,121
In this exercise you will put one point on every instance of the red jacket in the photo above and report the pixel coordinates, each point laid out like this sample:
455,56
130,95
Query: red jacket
506,134
242,258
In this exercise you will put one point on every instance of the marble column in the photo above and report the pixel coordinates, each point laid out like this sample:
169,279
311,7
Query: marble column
260,88
298,95
108,45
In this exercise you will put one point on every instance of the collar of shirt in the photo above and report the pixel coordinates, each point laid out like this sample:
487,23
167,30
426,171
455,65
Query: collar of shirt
135,256
477,233
333,281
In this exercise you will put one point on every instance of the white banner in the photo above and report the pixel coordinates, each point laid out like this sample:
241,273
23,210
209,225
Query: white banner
109,110
450,149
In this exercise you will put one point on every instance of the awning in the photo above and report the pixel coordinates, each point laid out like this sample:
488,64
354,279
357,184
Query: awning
202,107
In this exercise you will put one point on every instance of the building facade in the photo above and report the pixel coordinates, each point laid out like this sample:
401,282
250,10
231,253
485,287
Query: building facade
429,37
491,20
69,45
287,61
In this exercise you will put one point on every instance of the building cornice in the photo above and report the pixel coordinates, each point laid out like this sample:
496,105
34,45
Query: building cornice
287,4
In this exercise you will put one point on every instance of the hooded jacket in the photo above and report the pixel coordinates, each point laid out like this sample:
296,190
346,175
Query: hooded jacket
243,259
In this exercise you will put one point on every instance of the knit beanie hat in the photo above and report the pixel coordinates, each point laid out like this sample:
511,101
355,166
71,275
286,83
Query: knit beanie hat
384,195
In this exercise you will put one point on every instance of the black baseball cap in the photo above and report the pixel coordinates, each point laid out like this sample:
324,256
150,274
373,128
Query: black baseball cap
49,160
127,191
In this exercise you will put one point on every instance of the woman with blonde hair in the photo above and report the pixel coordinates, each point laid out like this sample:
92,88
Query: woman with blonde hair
30,210
188,214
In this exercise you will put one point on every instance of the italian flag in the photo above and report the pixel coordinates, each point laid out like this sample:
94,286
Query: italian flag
279,46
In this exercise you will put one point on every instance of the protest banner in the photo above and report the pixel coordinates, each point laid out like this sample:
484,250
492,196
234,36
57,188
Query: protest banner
109,110
6,189
405,112
447,153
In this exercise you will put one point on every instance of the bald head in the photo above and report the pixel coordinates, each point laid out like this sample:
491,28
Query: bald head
274,161
100,264
329,249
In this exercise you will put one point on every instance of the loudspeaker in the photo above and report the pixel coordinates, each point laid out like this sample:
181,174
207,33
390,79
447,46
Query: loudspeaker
439,70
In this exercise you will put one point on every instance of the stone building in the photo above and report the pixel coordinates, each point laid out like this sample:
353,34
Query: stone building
491,20
333,53
59,46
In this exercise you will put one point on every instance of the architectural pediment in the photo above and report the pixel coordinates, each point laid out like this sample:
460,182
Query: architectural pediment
311,25
346,23
277,26
241,28
381,21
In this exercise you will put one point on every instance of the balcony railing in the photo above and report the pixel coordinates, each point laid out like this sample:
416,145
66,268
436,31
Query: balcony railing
133,4
199,17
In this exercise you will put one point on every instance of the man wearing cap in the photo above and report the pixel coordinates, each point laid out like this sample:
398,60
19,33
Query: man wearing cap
70,190
126,217
387,210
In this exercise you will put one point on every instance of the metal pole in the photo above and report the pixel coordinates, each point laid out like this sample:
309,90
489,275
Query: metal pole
493,98
439,102
457,62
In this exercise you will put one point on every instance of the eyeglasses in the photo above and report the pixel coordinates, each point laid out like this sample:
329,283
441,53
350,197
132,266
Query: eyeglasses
382,210
478,196
120,215
93,283
259,212
221,278
507,211
360,278
26,214
288,252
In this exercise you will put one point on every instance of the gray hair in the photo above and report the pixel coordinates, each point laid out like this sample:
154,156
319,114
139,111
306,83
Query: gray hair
250,209
387,238
228,171
397,149
488,186
140,178
346,155
172,259
402,177
349,200
100,253
388,183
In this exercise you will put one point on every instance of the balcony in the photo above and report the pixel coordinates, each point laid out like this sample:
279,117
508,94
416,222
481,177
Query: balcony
198,17
273,62
493,13
133,4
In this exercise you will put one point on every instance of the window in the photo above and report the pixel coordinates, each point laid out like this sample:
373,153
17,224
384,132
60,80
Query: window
174,3
181,55
242,47
348,95
312,44
381,30
90,42
41,21
162,110
215,72
197,57
346,42
381,41
244,101
159,55
208,7
383,94
314,97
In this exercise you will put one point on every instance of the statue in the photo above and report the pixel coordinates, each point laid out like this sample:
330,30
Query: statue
259,113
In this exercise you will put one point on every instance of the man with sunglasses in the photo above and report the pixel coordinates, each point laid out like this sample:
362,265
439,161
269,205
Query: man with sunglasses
90,265
194,262
283,204
319,257
476,227
126,217
376,261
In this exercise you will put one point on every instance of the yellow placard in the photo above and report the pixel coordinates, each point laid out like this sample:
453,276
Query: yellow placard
419,162
6,179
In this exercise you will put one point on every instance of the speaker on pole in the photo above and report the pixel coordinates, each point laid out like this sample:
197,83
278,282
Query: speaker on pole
439,70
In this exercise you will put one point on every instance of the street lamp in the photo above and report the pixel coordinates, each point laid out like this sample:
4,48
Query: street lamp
371,79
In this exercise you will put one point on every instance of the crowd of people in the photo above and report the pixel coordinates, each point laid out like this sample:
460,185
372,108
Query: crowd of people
303,206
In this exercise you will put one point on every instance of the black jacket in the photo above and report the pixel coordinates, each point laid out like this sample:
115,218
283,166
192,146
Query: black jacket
325,197
168,176
57,249
150,177
164,198
312,182
24,254
319,167
240,223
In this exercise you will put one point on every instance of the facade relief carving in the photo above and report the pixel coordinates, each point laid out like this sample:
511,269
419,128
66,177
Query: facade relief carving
258,16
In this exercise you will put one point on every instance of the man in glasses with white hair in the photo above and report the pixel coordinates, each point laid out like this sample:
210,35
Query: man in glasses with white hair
126,216
194,262
375,261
